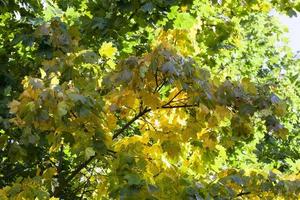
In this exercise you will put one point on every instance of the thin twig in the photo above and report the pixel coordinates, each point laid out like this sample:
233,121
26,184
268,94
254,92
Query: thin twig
149,123
79,168
170,101
162,84
156,80
243,193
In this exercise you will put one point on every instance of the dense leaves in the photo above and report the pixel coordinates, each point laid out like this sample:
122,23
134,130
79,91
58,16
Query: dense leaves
148,100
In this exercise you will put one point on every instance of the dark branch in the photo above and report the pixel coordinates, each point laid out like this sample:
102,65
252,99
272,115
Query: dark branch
160,86
79,168
61,158
181,106
84,165
156,79
121,130
243,193
171,100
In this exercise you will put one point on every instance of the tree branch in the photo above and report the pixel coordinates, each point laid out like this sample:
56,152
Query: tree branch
84,164
121,130
181,106
172,98
243,193
79,168
160,86
156,79
61,158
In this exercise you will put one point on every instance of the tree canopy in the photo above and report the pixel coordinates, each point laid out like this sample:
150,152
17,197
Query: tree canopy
135,99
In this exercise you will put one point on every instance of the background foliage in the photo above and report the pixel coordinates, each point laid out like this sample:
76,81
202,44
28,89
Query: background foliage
162,99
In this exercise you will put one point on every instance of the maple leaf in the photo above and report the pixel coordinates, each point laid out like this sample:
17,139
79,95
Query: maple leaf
107,50
14,106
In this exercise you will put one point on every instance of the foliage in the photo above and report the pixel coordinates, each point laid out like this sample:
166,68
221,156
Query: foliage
148,100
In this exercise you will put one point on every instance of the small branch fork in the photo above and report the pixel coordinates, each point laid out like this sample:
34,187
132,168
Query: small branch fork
171,100
79,168
146,110
120,131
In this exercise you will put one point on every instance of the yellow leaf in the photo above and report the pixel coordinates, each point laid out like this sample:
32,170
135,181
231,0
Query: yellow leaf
280,109
172,148
43,73
248,86
282,133
212,121
111,121
54,81
49,173
202,112
191,130
227,143
25,82
14,106
38,171
201,133
128,99
3,195
62,108
209,141
111,63
266,7
255,7
107,50
184,8
89,152
222,112
151,100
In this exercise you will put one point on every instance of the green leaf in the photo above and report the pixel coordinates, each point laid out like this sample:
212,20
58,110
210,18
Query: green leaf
89,152
132,179
62,108
184,21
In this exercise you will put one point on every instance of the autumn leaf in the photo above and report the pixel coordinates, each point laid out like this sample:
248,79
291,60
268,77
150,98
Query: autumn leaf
49,173
184,100
151,100
14,106
62,108
107,50
89,152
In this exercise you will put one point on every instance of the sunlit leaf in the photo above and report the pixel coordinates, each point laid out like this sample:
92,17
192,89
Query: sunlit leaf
107,50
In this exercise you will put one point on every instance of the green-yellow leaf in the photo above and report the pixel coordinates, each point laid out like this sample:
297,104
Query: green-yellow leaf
133,179
249,86
14,106
89,152
62,108
54,81
111,63
107,50
43,73
49,173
